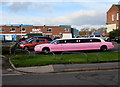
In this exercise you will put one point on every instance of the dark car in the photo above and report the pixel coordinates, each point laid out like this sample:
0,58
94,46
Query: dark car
117,39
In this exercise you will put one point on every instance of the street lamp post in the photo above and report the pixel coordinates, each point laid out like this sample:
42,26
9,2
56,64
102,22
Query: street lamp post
21,29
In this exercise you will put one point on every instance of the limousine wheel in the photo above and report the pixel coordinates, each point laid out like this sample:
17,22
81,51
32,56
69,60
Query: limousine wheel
103,48
46,50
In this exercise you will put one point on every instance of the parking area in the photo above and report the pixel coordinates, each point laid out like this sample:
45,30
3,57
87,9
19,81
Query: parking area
32,52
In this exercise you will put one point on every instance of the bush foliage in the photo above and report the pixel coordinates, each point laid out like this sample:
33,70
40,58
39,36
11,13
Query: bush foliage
114,33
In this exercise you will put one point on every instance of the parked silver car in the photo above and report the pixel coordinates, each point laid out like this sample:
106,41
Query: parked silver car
100,36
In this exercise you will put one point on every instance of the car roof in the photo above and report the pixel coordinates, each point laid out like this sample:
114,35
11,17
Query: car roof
41,36
39,39
77,38
83,38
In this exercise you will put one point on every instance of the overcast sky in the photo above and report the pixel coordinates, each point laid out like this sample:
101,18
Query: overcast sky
55,12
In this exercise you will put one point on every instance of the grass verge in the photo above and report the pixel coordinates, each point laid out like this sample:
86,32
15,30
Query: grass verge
40,60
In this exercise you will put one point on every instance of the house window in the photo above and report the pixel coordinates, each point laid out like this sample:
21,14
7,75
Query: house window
66,30
117,16
2,29
22,30
117,27
12,29
49,30
36,30
112,17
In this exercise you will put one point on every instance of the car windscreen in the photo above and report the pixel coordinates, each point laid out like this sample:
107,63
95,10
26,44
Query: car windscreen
53,41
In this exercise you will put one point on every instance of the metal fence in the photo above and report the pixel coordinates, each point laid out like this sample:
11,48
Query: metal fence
65,52
36,52
107,52
27,52
16,51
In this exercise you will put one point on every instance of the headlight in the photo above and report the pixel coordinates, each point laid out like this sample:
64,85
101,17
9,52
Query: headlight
21,45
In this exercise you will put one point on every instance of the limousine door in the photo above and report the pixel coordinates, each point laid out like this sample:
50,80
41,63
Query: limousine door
82,46
63,45
59,46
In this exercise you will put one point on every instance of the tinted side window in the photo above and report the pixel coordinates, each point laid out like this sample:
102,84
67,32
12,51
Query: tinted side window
96,40
71,41
84,40
91,36
40,41
61,41
33,41
49,39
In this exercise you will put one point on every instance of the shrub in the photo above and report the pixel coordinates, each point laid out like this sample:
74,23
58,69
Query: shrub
114,33
5,50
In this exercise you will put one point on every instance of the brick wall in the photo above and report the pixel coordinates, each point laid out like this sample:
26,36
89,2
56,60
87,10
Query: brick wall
55,30
113,11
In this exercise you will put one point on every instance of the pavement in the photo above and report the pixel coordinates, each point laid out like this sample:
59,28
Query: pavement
9,68
65,68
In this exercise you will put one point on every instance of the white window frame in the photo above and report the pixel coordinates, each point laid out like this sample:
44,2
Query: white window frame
66,30
21,30
117,16
2,29
12,30
113,17
50,29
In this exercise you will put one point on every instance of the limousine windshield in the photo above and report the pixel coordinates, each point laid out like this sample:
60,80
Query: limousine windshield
54,41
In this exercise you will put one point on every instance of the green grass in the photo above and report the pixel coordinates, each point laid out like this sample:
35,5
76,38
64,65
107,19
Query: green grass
29,60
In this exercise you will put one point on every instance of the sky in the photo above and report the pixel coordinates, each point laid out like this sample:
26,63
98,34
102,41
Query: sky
78,13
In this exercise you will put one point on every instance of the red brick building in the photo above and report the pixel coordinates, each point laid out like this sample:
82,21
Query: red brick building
113,18
50,31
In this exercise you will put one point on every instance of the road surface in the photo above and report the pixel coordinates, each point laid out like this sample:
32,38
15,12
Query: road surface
105,77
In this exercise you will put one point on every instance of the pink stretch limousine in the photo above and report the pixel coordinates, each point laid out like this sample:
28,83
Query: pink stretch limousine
74,44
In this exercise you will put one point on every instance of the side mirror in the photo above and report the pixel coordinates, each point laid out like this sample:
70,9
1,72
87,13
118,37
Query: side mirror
55,43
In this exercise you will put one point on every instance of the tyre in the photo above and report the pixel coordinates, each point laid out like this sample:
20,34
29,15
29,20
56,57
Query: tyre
26,48
46,50
103,48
